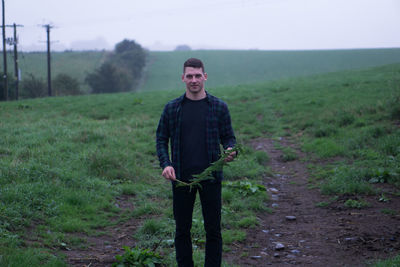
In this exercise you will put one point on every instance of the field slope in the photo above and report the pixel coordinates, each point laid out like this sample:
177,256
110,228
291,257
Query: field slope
249,67
224,67
75,169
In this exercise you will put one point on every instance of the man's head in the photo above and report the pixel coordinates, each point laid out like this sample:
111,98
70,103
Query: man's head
194,63
194,77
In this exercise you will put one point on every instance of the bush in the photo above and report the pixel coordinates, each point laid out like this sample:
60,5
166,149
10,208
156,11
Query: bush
121,72
11,87
108,79
64,84
33,87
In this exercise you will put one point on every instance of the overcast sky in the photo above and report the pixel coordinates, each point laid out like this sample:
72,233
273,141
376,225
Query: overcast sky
205,24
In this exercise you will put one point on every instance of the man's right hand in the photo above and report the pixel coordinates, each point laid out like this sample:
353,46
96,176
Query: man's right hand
169,173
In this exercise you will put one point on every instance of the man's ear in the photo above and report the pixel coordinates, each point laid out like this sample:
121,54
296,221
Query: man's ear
205,76
183,77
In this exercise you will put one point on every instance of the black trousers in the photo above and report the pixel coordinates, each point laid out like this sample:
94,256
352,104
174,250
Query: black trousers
183,203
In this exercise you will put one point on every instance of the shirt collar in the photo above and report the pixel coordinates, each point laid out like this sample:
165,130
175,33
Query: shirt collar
182,97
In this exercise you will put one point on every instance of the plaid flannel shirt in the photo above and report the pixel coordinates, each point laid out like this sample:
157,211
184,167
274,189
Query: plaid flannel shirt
218,131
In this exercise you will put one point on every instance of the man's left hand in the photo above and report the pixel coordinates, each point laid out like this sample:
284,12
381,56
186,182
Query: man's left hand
231,156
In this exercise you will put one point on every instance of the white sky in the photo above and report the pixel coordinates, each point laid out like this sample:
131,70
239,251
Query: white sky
218,24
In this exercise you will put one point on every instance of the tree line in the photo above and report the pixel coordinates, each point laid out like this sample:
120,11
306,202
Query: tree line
120,72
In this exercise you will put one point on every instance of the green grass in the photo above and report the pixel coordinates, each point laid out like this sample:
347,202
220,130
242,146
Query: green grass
357,204
230,68
225,68
392,262
76,64
64,161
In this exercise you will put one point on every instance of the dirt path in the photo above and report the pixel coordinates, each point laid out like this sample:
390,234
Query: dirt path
299,233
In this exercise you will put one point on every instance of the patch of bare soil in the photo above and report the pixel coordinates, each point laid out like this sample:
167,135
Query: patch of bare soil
100,251
300,233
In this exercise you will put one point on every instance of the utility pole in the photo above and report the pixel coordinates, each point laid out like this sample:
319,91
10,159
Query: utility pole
14,42
4,56
48,27
16,69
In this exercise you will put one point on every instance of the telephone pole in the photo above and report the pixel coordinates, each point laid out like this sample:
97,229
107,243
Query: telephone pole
14,42
5,95
48,27
16,69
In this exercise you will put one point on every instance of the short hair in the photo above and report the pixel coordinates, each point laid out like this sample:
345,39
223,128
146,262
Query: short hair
194,63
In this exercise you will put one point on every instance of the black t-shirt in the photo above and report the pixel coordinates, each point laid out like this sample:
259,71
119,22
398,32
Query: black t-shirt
194,157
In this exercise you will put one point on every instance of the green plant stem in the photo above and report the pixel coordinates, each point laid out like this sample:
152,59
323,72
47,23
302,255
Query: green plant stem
207,173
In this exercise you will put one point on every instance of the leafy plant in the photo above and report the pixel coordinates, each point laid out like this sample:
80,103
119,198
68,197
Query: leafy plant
358,204
138,257
207,173
245,188
384,198
288,154
322,204
389,211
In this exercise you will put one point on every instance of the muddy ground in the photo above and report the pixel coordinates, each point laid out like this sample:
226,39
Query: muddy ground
297,232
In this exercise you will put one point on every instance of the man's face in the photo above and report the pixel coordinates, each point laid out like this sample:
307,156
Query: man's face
194,79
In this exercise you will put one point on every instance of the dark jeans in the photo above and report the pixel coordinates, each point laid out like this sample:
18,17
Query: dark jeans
210,197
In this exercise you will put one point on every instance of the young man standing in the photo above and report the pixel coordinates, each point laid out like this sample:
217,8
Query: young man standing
195,124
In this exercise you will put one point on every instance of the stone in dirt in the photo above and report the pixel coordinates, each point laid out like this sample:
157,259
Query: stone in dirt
295,251
351,239
255,257
274,197
291,218
273,190
279,246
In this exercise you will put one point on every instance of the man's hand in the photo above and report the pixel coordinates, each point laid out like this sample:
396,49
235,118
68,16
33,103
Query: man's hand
169,173
231,155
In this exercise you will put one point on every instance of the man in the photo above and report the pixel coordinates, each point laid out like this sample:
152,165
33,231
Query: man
196,124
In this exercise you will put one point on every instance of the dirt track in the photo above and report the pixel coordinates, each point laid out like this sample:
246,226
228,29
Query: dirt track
313,236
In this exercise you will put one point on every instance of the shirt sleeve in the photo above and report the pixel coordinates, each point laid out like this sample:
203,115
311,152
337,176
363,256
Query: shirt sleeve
162,138
226,131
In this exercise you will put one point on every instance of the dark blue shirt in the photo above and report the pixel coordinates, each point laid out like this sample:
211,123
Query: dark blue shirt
194,158
218,131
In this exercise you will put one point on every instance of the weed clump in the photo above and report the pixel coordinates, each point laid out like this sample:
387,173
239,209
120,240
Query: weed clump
138,257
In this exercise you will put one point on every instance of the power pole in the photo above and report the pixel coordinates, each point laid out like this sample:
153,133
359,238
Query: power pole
48,27
14,42
4,56
16,69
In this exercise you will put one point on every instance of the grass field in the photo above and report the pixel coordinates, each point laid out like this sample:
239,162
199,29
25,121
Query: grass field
75,64
63,161
225,68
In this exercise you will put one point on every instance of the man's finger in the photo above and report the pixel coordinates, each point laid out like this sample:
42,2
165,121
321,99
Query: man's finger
169,173
172,174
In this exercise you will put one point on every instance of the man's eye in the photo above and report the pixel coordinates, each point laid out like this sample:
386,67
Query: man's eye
198,76
189,76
